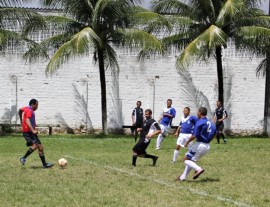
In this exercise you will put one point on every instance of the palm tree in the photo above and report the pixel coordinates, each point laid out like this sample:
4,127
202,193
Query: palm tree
96,25
211,23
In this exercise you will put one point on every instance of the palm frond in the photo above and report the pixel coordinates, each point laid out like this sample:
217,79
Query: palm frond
256,39
229,11
142,39
110,58
79,44
203,45
172,7
6,36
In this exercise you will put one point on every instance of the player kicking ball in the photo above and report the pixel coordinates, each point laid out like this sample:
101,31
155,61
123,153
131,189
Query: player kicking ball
204,131
149,129
27,118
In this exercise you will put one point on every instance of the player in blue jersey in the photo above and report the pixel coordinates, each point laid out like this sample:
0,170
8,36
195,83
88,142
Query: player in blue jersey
165,122
204,131
184,131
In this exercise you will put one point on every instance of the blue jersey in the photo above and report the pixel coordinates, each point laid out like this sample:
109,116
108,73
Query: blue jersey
204,130
166,120
187,124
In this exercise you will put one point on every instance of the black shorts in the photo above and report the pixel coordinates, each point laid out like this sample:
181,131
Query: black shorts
220,126
31,138
140,147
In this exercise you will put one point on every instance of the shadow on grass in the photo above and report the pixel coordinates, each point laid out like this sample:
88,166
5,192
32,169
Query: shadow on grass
205,180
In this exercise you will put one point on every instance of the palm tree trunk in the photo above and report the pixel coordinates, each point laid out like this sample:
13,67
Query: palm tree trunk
267,97
102,78
220,74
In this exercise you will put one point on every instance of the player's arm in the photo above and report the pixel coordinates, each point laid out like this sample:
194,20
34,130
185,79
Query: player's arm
139,129
157,131
177,131
30,126
20,114
190,140
133,117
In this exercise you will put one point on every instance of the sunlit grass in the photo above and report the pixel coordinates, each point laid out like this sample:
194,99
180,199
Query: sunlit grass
99,173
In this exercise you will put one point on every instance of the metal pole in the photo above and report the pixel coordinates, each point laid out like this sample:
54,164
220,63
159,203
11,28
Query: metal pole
154,94
86,111
16,104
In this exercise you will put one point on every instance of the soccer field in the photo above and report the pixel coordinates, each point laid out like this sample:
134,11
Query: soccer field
99,173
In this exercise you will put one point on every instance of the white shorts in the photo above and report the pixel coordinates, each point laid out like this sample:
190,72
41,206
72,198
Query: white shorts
198,150
182,139
164,129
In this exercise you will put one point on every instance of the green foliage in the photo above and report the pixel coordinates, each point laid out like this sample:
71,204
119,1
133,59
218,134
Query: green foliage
99,173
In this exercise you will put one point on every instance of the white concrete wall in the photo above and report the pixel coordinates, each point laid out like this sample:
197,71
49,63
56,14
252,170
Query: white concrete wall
59,103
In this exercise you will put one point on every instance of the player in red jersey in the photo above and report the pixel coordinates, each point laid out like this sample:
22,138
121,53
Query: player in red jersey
28,121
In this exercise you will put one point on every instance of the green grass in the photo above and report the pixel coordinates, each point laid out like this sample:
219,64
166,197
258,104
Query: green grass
99,173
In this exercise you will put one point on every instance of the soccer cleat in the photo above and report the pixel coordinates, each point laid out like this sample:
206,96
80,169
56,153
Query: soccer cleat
179,178
155,160
173,162
197,173
157,148
23,160
48,165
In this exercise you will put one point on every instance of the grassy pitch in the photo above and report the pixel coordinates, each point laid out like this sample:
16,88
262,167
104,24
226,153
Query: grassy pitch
99,173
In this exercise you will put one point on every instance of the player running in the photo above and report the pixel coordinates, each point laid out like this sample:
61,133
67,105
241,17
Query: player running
149,129
184,131
165,122
204,131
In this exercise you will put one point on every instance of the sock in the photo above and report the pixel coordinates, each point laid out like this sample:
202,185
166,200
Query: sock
175,155
185,173
218,138
159,140
29,152
149,156
192,165
42,157
223,137
134,159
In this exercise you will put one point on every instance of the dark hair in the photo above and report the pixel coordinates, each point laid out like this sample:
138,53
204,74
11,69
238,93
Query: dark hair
187,109
203,111
33,102
149,111
169,100
220,102
139,102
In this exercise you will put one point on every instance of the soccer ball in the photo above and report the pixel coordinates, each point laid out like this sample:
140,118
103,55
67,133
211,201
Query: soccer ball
62,162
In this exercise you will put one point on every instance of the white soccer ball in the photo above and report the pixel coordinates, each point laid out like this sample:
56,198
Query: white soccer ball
62,162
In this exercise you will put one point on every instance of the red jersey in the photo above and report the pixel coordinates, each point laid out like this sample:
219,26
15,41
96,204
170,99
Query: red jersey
30,114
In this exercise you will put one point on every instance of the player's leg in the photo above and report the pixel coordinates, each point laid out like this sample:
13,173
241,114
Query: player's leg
175,153
41,153
221,133
161,136
198,150
30,141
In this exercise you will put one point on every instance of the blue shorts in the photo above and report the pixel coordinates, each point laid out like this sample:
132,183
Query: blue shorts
31,138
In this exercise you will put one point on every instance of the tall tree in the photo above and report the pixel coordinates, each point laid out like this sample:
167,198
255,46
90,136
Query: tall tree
96,25
204,27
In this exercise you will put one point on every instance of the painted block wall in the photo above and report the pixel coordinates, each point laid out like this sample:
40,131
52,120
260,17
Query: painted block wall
63,96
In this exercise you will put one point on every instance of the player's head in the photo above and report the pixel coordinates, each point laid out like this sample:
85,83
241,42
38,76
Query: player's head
169,103
34,104
148,113
202,112
219,104
139,103
186,111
